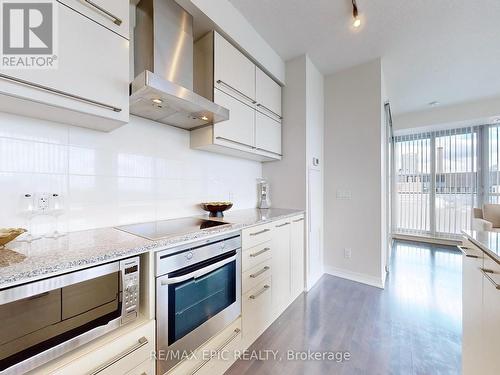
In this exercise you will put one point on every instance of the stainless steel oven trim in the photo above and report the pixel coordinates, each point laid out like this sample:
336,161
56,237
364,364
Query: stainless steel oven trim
31,289
203,332
198,273
63,348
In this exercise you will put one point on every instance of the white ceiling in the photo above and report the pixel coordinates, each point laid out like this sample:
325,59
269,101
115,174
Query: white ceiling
433,50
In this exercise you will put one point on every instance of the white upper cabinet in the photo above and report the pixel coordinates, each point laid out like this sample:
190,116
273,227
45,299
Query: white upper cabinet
233,71
112,14
88,88
267,134
238,131
267,94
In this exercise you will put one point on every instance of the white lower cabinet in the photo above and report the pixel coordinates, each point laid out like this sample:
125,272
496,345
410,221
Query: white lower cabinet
257,310
273,272
125,351
481,312
214,357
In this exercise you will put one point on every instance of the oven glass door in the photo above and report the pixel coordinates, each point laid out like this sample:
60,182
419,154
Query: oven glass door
194,301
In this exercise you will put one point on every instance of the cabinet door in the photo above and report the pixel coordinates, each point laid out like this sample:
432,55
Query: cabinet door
267,94
112,14
257,311
92,65
233,71
281,265
472,299
238,131
297,256
491,317
267,134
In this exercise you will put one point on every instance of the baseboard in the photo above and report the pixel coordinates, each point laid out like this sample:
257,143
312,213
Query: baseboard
313,281
426,239
355,276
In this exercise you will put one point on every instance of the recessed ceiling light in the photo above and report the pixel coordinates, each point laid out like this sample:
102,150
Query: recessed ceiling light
204,118
355,15
497,120
434,104
157,101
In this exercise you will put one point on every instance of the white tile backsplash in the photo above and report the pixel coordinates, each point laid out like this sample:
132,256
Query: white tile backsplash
142,171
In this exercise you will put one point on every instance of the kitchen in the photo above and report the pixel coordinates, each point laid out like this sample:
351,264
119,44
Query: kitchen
93,291
186,189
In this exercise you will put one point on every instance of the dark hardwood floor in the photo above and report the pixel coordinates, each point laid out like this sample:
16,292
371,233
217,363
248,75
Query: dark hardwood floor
411,327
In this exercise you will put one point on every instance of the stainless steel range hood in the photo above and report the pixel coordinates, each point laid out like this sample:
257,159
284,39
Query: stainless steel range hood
163,55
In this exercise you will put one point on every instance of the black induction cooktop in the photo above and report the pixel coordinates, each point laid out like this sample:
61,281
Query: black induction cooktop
156,230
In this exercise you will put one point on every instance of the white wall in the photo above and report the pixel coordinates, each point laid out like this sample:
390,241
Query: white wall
354,164
472,113
315,120
139,172
294,181
233,25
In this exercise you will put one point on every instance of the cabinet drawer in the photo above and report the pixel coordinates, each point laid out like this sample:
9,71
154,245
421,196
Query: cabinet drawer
255,255
92,73
267,94
201,362
237,132
257,310
267,134
233,71
256,235
145,368
118,356
256,275
112,14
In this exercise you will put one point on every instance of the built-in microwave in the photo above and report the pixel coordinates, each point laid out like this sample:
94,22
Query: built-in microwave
44,319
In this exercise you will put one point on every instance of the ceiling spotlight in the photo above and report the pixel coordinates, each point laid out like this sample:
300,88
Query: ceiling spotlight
355,15
204,118
157,101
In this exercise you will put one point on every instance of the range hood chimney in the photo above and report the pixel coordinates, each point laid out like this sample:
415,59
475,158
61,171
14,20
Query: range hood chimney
163,55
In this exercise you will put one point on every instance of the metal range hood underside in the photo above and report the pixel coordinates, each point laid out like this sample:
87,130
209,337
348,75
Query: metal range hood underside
163,59
179,106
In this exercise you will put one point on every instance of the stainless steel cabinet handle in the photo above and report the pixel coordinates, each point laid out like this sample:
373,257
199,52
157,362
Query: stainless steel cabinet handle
464,251
485,272
116,20
198,273
60,93
258,273
260,232
254,296
221,346
269,110
271,152
264,250
236,142
220,82
282,225
301,219
140,343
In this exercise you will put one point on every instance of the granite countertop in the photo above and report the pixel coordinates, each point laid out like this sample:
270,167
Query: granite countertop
489,242
22,262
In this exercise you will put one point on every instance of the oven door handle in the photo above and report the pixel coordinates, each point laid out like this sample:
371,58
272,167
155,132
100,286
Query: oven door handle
198,273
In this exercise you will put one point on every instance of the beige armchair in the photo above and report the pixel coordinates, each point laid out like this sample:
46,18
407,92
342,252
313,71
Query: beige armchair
486,218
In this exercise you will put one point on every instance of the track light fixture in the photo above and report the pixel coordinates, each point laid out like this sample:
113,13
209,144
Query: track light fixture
356,22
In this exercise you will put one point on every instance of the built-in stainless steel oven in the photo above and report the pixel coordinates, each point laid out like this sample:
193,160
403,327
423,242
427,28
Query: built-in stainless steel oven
44,319
198,294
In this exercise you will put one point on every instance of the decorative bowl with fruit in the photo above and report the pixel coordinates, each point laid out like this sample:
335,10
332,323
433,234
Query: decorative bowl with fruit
216,209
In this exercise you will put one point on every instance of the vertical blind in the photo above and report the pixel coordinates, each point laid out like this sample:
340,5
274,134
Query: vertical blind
436,182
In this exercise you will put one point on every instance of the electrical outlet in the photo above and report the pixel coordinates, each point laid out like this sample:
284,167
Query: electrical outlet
42,202
347,253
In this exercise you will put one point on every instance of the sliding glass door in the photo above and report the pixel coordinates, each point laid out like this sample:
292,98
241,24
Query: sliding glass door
436,182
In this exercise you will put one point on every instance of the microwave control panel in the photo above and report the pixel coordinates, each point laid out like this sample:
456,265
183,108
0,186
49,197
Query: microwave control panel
130,282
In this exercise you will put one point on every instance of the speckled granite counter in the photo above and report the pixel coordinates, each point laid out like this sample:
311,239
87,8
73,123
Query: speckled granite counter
489,242
24,262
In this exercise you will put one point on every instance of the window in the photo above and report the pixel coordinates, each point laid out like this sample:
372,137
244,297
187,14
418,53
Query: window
436,182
